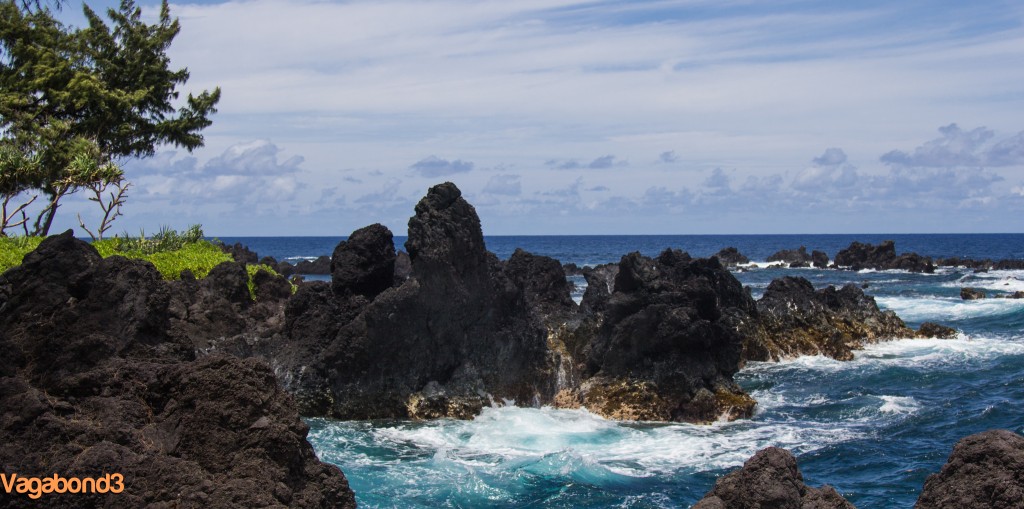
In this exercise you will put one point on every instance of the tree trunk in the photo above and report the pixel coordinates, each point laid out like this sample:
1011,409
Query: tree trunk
45,218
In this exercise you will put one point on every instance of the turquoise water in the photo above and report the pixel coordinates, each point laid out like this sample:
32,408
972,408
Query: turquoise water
874,427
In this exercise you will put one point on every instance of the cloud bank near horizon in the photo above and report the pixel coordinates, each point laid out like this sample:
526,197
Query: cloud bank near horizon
611,117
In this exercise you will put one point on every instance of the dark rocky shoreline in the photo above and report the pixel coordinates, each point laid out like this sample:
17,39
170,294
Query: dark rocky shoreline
984,470
110,367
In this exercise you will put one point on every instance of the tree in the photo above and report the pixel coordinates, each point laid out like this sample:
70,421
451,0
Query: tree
75,102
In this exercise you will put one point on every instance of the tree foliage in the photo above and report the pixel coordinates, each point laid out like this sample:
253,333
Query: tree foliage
74,102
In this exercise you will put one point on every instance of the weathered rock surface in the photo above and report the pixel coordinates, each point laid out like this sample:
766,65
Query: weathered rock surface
984,470
770,479
795,319
882,257
94,379
731,257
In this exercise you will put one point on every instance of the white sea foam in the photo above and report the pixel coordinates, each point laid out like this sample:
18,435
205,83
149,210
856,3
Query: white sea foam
587,445
996,280
941,309
924,354
904,405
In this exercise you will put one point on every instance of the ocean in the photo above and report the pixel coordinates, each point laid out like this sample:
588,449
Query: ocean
873,427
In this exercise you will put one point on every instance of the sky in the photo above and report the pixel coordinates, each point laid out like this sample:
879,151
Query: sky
594,117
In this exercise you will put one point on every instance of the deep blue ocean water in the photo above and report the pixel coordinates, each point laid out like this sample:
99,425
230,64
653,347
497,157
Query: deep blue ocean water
874,427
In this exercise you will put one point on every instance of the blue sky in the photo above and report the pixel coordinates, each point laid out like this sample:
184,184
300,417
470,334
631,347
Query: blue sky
566,117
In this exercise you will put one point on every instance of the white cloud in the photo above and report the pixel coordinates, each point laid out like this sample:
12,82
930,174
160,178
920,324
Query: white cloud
437,167
516,86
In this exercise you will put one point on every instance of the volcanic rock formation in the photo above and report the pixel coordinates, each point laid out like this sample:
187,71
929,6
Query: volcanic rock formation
95,379
795,319
772,479
984,470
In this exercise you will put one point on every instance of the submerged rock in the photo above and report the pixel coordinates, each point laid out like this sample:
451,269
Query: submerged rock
772,479
934,330
984,470
971,294
94,379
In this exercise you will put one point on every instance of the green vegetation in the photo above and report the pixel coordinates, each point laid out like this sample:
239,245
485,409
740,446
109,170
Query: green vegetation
14,249
199,257
165,240
75,101
252,269
169,251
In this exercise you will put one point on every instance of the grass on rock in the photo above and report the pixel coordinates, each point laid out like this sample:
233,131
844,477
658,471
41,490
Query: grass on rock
169,251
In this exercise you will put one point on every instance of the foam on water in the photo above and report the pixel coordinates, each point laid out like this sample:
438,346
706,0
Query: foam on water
577,443
997,280
944,309
922,354
899,405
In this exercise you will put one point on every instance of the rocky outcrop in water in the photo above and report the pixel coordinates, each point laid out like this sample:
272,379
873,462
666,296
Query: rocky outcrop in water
666,343
96,379
984,470
795,319
882,257
441,342
770,479
971,294
937,331
792,257
819,259
980,265
731,257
